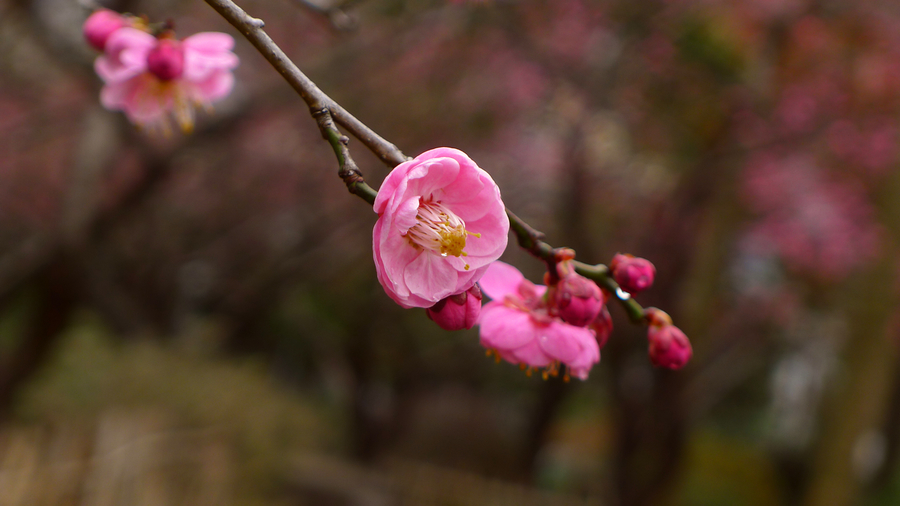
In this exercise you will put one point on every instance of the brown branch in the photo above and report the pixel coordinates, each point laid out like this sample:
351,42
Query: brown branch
327,112
316,99
348,171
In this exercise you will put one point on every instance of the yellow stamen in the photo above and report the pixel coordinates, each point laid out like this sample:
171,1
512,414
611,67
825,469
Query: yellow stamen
439,230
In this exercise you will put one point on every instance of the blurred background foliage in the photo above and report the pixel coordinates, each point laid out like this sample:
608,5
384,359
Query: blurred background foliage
196,320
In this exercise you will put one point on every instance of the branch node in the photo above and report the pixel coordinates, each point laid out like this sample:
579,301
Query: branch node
318,112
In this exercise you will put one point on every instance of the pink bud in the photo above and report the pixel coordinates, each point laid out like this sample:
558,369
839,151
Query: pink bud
457,312
669,347
166,60
602,327
633,274
578,300
100,25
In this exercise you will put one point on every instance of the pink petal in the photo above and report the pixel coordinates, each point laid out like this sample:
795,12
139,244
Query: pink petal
500,279
217,86
531,354
395,254
112,71
404,216
467,185
431,175
390,268
590,354
492,243
564,342
429,277
400,195
504,328
210,42
113,95
477,206
129,38
444,152
390,185
208,52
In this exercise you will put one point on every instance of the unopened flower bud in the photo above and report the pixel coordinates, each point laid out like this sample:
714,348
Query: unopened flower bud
633,274
457,312
166,60
669,347
100,25
578,300
602,327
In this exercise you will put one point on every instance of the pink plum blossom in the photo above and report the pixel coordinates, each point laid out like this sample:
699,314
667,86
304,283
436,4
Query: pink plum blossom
151,79
517,326
457,312
440,225
819,223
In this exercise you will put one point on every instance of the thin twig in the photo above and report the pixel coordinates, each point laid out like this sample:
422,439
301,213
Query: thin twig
316,99
348,171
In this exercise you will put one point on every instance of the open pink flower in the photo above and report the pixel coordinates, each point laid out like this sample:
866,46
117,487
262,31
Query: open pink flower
517,326
440,225
151,79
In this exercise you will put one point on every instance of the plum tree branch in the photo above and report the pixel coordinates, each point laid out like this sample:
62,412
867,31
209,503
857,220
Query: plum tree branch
328,114
316,99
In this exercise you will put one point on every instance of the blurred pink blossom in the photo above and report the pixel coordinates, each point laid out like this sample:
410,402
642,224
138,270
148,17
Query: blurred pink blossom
440,224
818,224
100,25
518,327
152,78
873,149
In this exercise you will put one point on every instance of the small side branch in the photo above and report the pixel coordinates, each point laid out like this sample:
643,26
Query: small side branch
347,169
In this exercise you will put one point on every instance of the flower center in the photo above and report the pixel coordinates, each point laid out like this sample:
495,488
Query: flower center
438,229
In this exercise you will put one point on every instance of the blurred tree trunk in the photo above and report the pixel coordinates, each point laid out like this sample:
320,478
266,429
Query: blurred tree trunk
859,405
50,318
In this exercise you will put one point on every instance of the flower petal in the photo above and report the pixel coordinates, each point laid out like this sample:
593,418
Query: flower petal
429,277
531,354
564,342
216,86
500,279
504,328
432,174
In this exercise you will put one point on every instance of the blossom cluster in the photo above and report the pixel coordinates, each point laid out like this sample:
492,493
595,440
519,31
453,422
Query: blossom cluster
152,76
442,227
